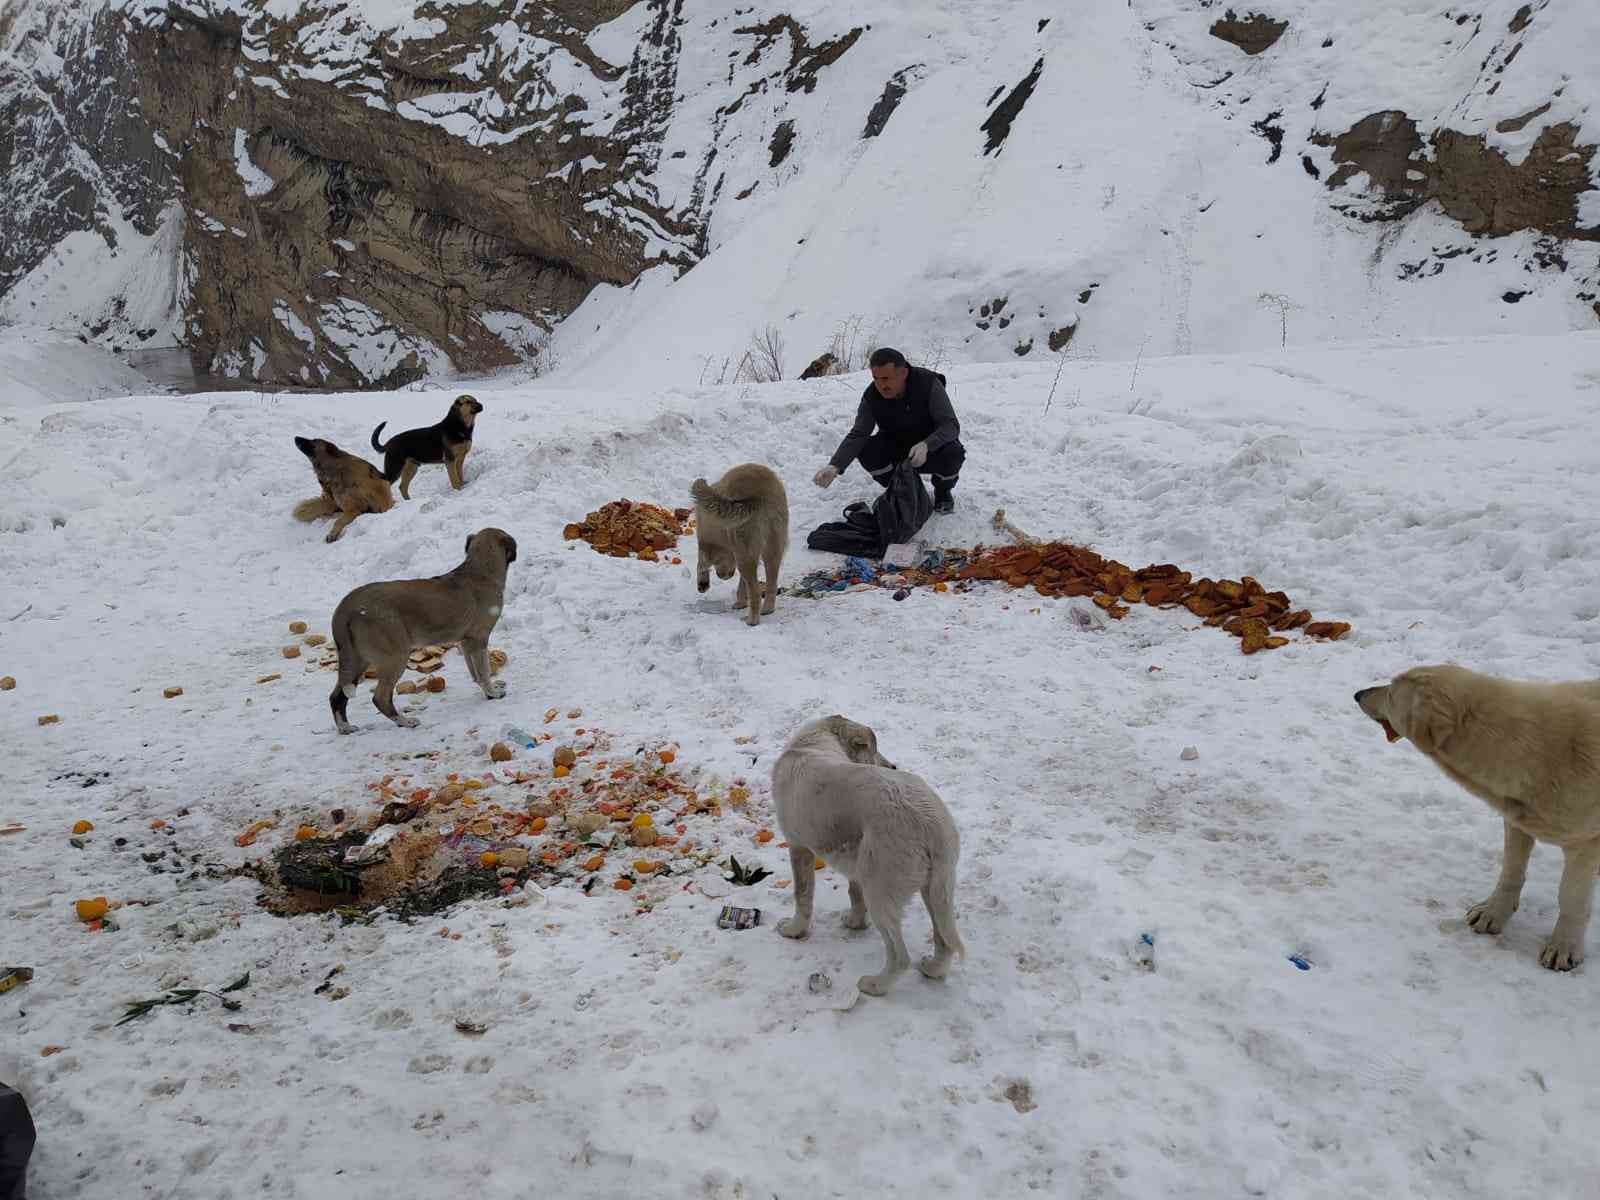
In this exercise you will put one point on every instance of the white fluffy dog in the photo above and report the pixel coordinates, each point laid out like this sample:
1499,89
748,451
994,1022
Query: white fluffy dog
885,829
1532,751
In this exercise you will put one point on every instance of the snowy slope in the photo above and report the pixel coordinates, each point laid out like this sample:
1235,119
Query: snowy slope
1156,190
41,367
1132,196
90,240
1443,501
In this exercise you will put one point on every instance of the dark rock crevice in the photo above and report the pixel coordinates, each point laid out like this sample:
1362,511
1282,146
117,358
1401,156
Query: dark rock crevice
997,126
893,92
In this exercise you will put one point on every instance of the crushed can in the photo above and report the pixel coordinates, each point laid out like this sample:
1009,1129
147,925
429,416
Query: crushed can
11,977
732,917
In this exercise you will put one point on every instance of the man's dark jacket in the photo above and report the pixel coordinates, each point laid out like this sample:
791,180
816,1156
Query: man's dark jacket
921,414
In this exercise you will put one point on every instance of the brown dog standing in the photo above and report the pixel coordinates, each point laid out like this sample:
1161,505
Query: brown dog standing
350,486
742,521
379,624
447,443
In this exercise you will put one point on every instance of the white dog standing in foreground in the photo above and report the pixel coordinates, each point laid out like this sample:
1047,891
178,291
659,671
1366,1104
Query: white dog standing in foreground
1532,750
885,829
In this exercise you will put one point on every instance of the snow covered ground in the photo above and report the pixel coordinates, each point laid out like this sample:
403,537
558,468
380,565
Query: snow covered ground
1444,500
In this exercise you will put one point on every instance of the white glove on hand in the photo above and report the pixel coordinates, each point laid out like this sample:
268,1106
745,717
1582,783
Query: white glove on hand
826,476
918,454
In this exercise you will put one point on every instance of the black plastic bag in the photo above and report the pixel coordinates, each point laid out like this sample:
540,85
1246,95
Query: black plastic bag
903,509
857,534
16,1144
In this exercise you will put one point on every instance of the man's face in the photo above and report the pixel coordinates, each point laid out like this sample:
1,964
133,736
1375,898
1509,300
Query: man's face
890,381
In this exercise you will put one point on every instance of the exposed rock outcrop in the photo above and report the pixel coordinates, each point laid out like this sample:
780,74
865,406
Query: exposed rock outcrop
1253,33
396,205
75,151
1473,182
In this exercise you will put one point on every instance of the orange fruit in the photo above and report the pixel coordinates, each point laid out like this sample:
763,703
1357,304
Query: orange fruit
92,910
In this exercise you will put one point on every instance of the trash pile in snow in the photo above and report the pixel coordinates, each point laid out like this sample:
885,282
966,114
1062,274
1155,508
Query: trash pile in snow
544,811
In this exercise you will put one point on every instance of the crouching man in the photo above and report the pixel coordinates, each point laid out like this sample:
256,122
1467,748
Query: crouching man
905,415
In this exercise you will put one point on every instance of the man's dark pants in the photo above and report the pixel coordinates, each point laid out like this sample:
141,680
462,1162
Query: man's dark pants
883,450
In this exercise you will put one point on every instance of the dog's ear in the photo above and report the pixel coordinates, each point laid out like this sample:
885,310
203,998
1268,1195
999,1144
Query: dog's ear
1425,708
511,549
470,536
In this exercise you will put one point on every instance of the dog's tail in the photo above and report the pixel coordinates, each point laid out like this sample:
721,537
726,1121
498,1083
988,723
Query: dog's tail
941,897
380,447
317,506
724,508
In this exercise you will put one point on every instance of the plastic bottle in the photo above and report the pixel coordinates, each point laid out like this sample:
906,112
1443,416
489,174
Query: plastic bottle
1143,952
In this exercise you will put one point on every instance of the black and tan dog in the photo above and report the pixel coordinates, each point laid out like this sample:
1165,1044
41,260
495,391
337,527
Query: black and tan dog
379,624
447,443
350,486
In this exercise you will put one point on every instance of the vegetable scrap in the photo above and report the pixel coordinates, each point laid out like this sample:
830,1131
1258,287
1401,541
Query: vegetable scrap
138,1008
11,977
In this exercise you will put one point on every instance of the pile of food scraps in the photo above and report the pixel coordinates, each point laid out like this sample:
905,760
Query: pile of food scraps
632,527
1242,607
568,810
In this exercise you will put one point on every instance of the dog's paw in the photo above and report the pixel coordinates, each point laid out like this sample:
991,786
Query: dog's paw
753,619
334,535
703,585
1489,917
1561,954
875,985
496,690
854,920
406,722
934,967
794,927
344,727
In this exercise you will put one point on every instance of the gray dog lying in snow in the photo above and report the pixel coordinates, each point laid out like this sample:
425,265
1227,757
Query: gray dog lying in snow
885,829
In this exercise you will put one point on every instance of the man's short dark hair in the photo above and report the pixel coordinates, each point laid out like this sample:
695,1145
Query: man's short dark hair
885,356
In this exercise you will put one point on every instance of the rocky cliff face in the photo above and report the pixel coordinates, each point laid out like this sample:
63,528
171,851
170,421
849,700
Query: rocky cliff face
364,205
354,192
76,152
